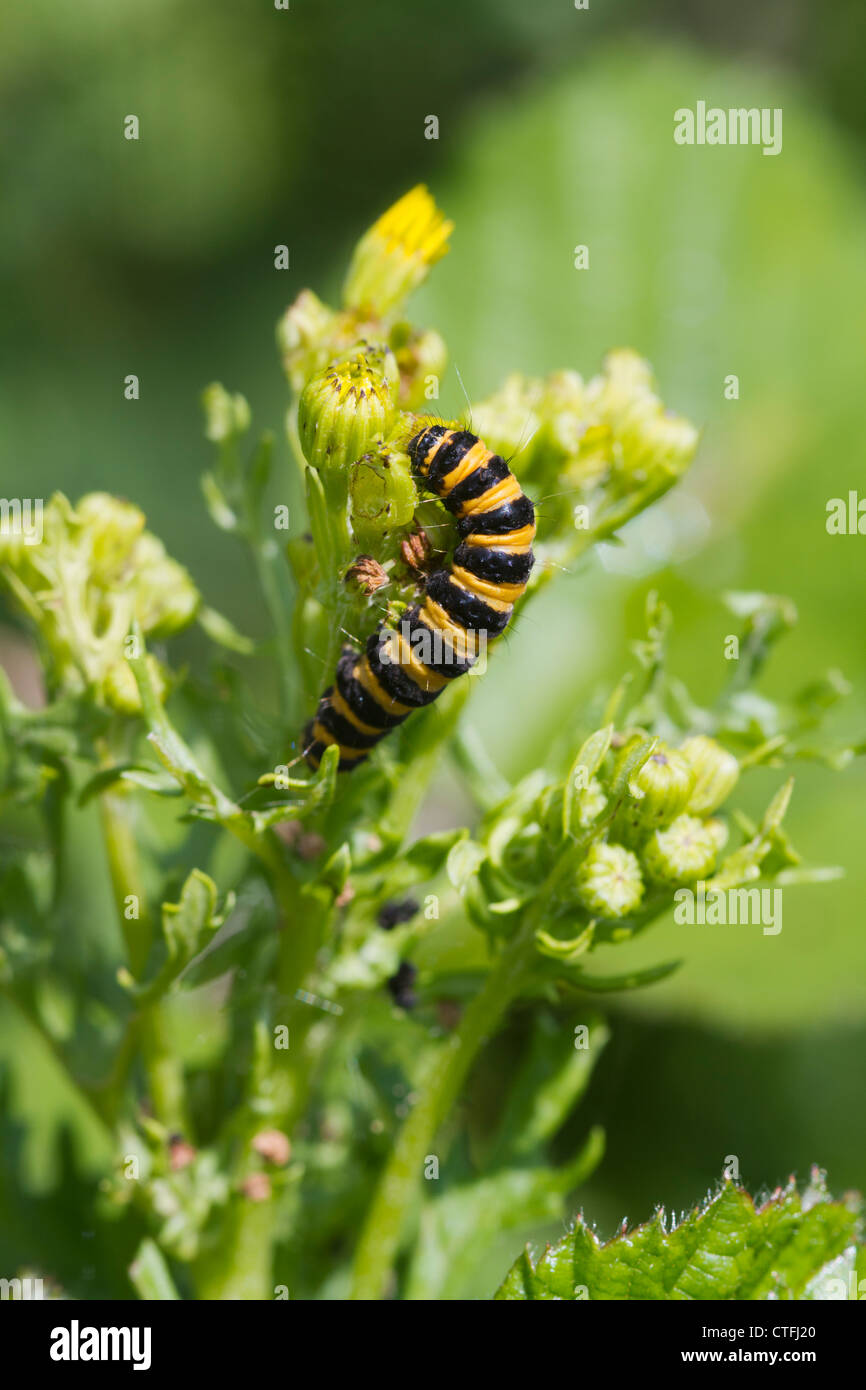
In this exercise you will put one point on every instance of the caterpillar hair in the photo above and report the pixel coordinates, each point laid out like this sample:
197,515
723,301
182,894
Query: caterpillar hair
465,605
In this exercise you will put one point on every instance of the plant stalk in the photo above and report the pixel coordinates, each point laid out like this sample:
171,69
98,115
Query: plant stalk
439,1088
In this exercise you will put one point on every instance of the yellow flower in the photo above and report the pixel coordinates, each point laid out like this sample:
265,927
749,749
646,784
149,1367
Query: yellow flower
393,257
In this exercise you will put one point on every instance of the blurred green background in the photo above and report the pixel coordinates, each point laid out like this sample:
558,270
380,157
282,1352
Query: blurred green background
261,127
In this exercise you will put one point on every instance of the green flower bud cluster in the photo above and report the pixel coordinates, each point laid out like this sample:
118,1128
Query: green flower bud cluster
226,415
663,833
574,441
95,574
180,1187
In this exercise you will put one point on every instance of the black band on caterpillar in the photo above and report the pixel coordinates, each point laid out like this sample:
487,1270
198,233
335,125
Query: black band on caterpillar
469,603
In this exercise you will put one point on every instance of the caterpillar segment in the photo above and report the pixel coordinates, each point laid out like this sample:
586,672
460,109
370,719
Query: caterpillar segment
465,605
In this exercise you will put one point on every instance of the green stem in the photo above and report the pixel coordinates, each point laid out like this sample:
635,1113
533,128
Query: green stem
122,854
164,1071
305,920
240,1266
439,1088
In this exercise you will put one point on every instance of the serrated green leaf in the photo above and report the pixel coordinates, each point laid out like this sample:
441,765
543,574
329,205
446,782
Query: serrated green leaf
187,927
729,1248
318,793
170,748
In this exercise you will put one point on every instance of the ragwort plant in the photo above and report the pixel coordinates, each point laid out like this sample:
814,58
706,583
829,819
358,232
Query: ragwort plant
341,963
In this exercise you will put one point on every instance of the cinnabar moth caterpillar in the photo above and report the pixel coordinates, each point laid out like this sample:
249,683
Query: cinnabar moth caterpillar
466,604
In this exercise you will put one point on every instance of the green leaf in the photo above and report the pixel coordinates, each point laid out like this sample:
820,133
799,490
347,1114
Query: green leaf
221,512
149,1273
317,793
555,948
150,778
224,633
428,855
187,927
184,923
105,778
464,860
455,1224
612,984
585,766
548,1084
170,748
336,871
744,865
729,1248
234,952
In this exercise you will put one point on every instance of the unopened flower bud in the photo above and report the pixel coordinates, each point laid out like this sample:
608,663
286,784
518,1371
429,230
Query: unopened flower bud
11,547
113,527
303,334
421,358
226,415
274,1146
394,256
656,794
609,882
625,374
657,441
166,599
649,438
257,1187
180,1153
683,852
716,773
416,549
510,421
343,409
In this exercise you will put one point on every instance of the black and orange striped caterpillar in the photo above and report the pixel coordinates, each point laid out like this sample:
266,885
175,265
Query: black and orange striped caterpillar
464,606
